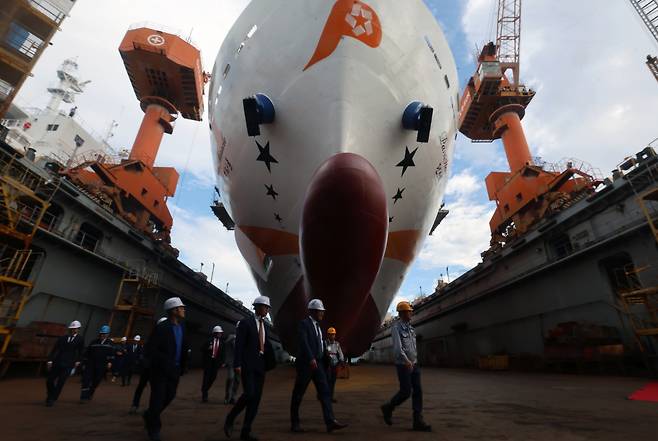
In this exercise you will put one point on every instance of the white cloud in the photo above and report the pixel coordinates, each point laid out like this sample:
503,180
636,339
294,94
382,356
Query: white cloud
460,239
597,100
203,239
463,184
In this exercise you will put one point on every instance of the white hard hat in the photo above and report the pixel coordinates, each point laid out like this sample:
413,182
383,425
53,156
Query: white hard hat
262,300
75,324
172,303
316,304
217,329
137,338
161,319
124,339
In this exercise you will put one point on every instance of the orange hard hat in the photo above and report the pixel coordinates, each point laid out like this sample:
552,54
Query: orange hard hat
331,331
404,306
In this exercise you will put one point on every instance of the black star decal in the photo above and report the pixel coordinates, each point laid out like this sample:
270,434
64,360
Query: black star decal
390,219
408,160
277,217
398,195
271,192
265,156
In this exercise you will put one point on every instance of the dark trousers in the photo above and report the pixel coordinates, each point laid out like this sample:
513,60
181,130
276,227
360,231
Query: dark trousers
91,378
332,372
232,384
143,381
55,382
209,376
163,391
319,377
252,390
409,387
126,373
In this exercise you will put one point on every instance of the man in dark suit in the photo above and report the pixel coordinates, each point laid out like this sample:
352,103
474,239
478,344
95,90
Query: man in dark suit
311,365
132,360
213,359
254,355
167,354
144,378
64,357
98,359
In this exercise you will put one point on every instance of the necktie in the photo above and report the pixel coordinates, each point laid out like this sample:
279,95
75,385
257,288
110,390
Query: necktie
261,336
317,329
70,339
214,348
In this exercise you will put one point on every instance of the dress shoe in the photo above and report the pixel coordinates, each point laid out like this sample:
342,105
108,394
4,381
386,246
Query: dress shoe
296,428
204,399
387,411
247,437
420,425
154,436
228,427
231,401
335,425
49,403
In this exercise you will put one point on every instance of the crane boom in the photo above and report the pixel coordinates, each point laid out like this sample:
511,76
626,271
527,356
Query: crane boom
508,37
648,11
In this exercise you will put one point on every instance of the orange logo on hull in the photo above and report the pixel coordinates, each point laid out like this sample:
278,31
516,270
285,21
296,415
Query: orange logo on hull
349,18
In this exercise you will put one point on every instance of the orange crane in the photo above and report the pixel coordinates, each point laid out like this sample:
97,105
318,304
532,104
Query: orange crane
492,107
648,11
167,77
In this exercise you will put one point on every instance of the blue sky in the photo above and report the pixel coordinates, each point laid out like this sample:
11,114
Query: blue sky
595,101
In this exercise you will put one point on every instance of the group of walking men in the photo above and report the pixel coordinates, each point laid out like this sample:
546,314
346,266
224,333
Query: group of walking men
100,356
248,357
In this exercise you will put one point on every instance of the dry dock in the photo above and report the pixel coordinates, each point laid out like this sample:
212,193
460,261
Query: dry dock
460,405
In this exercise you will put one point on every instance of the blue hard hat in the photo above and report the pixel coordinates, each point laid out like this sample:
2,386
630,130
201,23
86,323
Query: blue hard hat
104,329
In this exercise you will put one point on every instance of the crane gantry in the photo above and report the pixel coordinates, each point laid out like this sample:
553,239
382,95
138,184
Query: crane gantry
492,106
648,11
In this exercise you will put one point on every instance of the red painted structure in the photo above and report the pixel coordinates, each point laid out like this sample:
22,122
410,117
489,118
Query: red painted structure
166,75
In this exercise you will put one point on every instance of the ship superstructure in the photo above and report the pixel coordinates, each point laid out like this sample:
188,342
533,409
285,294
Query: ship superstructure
57,133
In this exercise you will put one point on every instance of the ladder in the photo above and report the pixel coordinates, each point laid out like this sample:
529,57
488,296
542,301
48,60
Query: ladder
135,304
24,198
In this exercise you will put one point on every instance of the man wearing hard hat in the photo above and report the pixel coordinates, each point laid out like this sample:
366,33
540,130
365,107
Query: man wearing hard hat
310,365
254,355
336,358
167,351
144,378
213,359
64,357
97,360
132,360
406,363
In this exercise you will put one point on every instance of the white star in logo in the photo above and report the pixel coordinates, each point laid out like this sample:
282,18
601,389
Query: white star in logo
359,30
156,40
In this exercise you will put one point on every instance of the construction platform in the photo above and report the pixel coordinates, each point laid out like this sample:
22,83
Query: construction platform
460,405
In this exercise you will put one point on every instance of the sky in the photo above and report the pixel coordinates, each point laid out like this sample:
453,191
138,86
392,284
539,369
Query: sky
596,101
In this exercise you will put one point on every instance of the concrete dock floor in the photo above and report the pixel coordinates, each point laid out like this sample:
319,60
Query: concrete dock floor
460,405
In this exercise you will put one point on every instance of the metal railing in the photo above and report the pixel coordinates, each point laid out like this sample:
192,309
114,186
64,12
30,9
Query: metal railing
87,241
48,9
6,89
23,41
